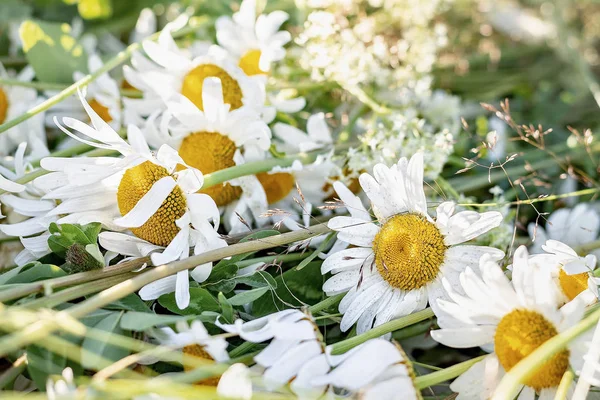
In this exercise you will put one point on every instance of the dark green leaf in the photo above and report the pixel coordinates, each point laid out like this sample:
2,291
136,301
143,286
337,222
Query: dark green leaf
200,300
37,272
258,279
91,359
140,321
41,363
248,296
131,302
226,309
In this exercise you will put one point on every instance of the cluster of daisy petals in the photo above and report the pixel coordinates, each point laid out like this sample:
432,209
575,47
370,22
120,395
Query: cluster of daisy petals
207,108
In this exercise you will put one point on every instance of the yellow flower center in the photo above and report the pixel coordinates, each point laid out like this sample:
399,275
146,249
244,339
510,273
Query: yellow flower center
572,285
160,229
277,186
3,105
409,251
101,110
210,152
198,351
249,63
193,81
518,334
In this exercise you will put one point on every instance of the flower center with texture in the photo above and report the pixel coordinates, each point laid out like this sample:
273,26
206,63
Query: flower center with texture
193,81
572,285
249,63
409,251
210,152
160,229
277,186
518,334
198,351
3,105
101,110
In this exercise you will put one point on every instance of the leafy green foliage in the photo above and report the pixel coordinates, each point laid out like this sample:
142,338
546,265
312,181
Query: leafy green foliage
97,349
35,272
77,245
42,363
200,301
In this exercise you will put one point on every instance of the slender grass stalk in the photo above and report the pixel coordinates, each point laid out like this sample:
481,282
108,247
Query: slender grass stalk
528,366
345,345
445,374
325,304
564,385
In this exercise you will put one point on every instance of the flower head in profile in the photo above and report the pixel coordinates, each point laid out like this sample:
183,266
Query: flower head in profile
512,317
397,263
255,41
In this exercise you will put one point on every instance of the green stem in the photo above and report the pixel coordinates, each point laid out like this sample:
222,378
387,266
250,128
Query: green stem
445,374
528,366
345,345
109,65
57,86
327,303
564,385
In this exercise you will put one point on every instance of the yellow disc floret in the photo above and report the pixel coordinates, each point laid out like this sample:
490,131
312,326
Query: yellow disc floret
409,251
193,81
277,186
249,63
101,110
3,105
572,285
518,334
160,229
198,351
210,152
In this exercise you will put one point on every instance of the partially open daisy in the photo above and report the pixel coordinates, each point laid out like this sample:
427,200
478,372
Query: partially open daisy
515,318
172,71
254,42
15,101
572,274
214,139
397,264
154,196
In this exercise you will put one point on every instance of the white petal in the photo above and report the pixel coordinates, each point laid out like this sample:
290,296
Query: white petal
149,204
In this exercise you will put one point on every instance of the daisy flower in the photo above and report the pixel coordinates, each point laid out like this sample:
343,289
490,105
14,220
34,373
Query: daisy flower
573,227
514,318
15,101
214,139
397,264
255,42
150,195
573,275
170,70
194,340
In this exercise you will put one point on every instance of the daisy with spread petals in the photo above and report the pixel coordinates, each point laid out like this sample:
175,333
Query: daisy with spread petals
214,139
171,70
398,263
572,274
255,42
514,318
153,196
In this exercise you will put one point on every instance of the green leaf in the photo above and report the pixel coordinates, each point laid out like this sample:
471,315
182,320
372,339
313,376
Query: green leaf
5,277
130,302
200,300
258,279
14,10
227,309
248,296
140,321
41,363
293,287
222,277
102,348
256,236
51,50
59,245
37,272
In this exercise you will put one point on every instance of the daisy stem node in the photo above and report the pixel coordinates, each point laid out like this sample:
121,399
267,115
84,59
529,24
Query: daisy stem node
408,320
445,374
528,366
120,58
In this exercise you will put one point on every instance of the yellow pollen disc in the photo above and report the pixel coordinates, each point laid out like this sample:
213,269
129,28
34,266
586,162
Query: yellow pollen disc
101,110
249,63
193,81
3,106
518,334
210,152
198,351
160,229
277,186
572,285
409,251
